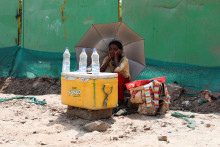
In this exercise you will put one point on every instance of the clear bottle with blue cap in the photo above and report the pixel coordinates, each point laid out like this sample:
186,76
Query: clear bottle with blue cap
95,62
83,61
66,61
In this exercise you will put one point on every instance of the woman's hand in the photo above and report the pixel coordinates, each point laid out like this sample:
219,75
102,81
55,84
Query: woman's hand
118,53
117,58
111,55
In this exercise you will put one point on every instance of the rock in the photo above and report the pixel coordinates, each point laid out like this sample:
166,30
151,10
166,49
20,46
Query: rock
28,106
4,140
162,138
174,90
96,126
121,112
208,125
22,121
147,128
89,114
56,114
163,125
164,107
127,132
130,124
120,136
142,109
34,118
134,130
42,143
121,117
73,141
53,109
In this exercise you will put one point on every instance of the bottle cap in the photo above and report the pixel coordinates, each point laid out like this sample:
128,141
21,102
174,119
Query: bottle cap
67,48
94,49
84,49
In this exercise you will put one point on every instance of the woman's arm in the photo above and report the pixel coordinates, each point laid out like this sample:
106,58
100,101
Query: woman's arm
104,66
116,62
123,64
117,58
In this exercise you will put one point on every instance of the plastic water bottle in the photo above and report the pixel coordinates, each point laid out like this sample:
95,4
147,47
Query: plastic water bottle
66,60
83,61
95,62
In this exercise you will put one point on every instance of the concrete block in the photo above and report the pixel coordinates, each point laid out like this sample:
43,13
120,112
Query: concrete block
89,114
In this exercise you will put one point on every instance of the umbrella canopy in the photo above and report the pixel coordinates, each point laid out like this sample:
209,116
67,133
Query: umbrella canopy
99,36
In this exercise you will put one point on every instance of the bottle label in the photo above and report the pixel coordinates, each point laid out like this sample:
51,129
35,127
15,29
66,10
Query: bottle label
66,68
82,69
95,69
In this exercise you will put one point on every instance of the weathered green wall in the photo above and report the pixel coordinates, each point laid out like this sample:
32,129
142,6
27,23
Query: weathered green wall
182,40
8,23
48,26
182,37
179,31
51,25
8,35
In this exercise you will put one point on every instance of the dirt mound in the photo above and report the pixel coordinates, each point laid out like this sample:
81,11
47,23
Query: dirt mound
181,98
207,107
2,80
187,100
37,86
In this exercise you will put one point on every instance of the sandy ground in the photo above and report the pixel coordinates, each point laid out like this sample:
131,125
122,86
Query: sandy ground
26,124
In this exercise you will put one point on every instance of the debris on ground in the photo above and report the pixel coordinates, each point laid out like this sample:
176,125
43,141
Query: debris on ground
208,125
96,126
121,112
195,101
32,100
191,123
162,138
202,102
207,95
27,124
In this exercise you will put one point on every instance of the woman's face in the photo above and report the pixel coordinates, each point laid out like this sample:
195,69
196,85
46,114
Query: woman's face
113,49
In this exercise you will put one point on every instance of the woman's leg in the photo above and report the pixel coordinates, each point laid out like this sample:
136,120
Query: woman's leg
121,86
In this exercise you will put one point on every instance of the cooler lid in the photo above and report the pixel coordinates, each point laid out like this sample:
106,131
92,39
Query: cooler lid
90,75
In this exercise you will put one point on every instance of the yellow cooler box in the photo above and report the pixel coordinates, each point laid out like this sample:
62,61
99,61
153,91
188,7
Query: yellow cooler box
90,91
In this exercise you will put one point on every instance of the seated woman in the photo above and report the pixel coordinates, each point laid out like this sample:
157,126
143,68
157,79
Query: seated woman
116,63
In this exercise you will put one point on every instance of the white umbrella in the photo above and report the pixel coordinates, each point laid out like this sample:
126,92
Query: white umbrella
99,36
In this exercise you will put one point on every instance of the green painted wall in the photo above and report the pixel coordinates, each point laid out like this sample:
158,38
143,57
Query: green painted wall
51,25
48,26
179,31
182,37
8,23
